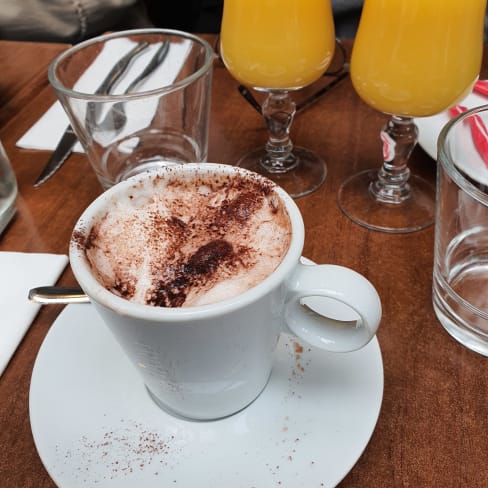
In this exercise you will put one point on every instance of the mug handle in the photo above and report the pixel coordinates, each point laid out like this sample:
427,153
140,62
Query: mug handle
332,307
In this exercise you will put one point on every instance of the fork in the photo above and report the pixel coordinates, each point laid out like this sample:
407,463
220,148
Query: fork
116,117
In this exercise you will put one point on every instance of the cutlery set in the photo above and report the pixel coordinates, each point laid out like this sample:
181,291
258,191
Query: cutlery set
116,118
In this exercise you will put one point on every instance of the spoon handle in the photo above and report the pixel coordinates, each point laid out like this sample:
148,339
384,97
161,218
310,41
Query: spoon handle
156,60
57,294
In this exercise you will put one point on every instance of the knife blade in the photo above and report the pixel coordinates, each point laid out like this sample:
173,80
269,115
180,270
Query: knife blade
69,138
59,156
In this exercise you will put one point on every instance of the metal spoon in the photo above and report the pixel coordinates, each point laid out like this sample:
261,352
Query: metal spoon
46,295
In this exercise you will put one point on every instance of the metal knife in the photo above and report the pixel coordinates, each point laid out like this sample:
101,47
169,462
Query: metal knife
69,139
59,156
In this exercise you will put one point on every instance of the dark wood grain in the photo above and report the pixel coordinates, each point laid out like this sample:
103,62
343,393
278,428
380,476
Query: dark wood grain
432,429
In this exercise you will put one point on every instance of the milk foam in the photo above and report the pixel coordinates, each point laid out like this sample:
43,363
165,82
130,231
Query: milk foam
191,242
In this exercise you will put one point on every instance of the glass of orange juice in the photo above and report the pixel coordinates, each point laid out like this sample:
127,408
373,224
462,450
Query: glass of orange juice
278,46
410,58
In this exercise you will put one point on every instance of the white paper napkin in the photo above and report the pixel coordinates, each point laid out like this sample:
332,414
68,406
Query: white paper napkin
48,130
20,272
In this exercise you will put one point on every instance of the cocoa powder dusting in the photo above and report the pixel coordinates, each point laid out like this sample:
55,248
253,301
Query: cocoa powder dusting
92,238
124,288
201,266
240,208
209,257
78,238
119,452
188,237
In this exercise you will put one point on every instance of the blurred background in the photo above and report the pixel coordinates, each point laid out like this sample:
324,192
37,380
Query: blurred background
75,21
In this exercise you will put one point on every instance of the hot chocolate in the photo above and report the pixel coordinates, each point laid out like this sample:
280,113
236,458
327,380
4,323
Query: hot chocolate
174,242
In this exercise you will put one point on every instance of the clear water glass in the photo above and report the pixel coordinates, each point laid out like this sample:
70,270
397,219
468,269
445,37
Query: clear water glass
461,236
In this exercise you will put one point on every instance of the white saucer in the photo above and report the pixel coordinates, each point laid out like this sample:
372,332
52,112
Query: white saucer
430,128
94,424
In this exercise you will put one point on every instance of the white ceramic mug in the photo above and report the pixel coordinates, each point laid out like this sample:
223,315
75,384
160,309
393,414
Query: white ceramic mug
210,361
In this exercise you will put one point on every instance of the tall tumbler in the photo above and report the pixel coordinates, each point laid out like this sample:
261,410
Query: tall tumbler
137,99
460,282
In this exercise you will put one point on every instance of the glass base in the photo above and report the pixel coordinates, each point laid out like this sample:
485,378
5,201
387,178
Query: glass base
306,174
455,307
414,213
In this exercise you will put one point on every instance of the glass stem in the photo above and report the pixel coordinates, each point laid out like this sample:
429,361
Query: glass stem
399,137
278,112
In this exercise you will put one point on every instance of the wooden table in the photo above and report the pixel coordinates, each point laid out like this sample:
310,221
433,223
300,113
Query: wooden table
432,429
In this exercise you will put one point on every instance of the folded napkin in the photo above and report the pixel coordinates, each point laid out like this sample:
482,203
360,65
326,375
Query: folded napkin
20,272
48,130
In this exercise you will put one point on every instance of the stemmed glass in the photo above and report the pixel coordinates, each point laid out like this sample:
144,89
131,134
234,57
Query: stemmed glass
276,47
410,58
